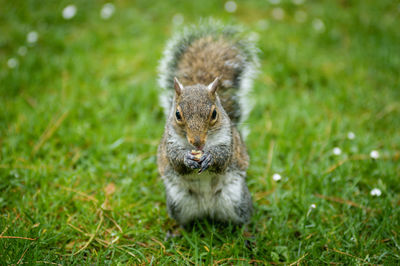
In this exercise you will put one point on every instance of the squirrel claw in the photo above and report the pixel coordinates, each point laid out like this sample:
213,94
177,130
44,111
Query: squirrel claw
193,164
205,162
190,162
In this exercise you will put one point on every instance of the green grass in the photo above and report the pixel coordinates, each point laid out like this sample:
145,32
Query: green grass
80,124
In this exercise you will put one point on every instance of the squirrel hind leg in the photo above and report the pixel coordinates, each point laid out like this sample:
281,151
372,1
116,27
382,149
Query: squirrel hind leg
244,209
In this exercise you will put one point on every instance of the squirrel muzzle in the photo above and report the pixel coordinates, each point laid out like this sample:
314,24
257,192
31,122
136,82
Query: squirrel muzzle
197,140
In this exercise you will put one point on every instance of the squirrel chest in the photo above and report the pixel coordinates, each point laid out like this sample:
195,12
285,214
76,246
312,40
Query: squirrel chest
208,194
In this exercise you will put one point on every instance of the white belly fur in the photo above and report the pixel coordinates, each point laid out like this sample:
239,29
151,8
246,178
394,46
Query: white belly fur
208,195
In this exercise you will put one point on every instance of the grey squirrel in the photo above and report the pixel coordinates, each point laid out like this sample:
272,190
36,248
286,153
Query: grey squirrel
205,73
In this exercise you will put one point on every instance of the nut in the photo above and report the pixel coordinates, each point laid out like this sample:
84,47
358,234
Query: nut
197,154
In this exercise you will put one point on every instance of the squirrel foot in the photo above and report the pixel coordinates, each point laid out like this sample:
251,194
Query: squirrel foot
173,233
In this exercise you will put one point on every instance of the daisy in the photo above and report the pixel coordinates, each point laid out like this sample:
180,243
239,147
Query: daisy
69,12
337,151
376,192
107,11
276,177
230,6
374,154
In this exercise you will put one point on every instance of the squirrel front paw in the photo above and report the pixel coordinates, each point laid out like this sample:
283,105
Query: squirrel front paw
191,161
205,161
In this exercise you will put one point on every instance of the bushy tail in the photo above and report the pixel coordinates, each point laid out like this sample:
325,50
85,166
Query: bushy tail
234,59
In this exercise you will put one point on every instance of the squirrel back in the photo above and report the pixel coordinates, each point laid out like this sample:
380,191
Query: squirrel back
201,53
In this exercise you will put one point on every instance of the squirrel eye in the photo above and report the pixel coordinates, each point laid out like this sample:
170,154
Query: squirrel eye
214,115
178,115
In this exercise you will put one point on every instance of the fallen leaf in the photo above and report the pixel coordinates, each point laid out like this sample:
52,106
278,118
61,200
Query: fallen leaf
109,189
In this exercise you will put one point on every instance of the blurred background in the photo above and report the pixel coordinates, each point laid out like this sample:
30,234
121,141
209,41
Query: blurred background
80,124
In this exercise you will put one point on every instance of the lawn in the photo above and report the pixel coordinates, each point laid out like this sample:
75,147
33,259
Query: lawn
80,123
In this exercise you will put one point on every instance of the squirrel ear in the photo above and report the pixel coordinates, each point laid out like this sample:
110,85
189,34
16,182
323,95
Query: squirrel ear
178,86
213,86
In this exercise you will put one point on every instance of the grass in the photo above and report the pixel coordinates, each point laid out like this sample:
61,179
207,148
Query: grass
80,124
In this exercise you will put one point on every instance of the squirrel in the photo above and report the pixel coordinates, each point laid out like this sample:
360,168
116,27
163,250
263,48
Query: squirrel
205,73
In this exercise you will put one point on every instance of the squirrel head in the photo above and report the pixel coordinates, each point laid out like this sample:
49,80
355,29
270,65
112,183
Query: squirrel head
197,111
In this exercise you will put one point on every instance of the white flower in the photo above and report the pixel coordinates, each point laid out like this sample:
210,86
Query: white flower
374,154
318,25
126,181
32,37
312,206
263,24
178,19
69,12
107,11
22,51
254,36
276,177
351,135
278,13
376,192
298,2
337,151
12,62
230,6
300,16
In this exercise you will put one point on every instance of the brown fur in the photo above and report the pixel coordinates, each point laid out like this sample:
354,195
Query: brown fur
208,58
195,104
162,160
240,156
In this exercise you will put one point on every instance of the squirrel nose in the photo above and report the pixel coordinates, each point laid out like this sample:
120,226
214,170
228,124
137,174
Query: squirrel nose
197,142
